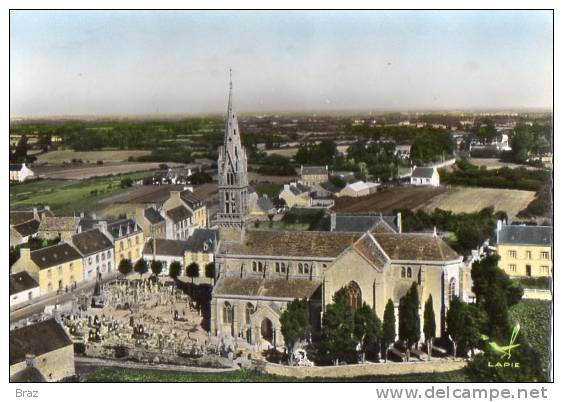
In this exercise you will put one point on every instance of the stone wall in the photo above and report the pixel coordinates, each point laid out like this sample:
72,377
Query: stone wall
54,365
356,370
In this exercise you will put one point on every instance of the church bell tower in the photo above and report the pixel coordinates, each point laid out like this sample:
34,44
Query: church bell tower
232,172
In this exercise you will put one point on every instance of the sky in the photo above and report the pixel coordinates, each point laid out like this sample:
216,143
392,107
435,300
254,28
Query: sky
65,63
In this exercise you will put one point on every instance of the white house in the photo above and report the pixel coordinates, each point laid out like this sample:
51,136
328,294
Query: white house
425,176
167,251
19,172
23,288
96,251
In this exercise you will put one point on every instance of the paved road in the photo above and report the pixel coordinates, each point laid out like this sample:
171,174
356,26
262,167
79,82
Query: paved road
85,365
39,305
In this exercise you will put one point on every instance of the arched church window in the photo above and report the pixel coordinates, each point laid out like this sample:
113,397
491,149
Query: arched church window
227,313
306,268
409,272
354,295
283,266
452,291
260,267
277,267
254,266
403,272
300,267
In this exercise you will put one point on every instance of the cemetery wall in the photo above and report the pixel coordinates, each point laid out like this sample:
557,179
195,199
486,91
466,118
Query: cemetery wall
355,370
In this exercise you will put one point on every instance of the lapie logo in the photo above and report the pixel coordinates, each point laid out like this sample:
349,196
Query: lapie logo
505,352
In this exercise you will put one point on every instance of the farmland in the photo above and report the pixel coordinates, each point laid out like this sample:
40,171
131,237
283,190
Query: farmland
67,196
81,171
388,200
109,155
474,199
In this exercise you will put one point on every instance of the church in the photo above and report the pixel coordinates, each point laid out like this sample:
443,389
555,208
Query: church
258,272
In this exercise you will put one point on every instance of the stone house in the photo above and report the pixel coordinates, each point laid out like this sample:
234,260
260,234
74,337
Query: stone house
525,250
296,195
167,251
311,175
151,222
55,268
44,347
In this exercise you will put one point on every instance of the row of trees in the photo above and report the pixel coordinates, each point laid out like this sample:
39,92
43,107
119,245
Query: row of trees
350,334
142,267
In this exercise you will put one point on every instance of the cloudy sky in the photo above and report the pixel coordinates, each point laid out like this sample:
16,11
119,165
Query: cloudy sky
147,62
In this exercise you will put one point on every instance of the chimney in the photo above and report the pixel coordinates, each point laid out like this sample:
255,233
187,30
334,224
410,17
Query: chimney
35,214
103,226
175,195
399,222
499,228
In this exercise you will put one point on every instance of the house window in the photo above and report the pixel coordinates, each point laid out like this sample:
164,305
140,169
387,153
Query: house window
528,255
452,289
544,255
60,270
512,267
512,253
545,270
249,312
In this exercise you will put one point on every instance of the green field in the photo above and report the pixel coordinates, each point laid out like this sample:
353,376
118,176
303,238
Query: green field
67,196
134,375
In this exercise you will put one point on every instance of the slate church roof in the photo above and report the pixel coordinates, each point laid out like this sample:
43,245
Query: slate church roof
266,288
415,247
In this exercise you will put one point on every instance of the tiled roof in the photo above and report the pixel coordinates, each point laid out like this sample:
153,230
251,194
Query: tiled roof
91,241
153,216
291,243
537,235
179,214
21,282
37,339
27,228
17,217
415,247
193,201
423,172
166,247
362,222
54,255
125,225
269,288
314,170
202,240
61,223
368,248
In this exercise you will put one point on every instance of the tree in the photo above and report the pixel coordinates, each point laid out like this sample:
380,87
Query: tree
389,334
495,292
192,270
156,267
175,269
210,270
141,266
337,342
295,324
454,321
125,267
367,329
429,325
409,320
